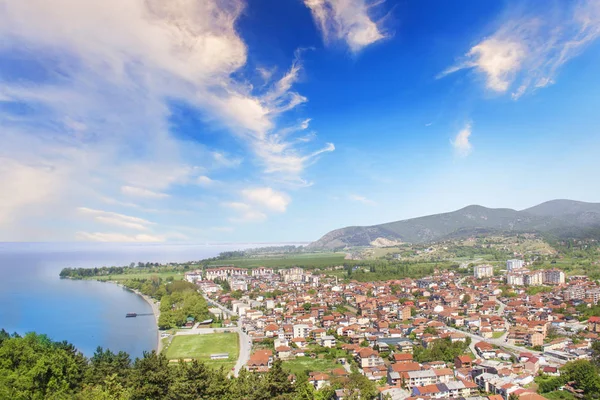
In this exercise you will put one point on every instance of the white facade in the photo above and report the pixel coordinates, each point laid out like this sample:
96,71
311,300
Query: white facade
515,279
534,278
483,271
301,331
513,265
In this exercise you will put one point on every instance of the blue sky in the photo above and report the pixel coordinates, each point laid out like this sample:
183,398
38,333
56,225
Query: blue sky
231,120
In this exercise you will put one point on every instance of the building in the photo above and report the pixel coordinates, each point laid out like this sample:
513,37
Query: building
404,313
260,361
533,278
301,331
574,293
262,271
554,277
594,324
292,274
515,279
225,272
593,295
419,378
483,271
514,265
193,276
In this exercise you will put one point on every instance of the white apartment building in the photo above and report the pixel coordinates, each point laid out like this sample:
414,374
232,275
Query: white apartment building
514,265
533,278
483,271
554,277
301,331
515,279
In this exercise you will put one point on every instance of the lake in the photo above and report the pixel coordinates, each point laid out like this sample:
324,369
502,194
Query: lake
87,314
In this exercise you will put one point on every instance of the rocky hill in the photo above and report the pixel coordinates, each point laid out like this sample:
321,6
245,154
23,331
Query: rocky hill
560,218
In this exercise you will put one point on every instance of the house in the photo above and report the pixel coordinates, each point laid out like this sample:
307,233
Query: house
368,357
402,357
419,378
532,365
327,341
534,339
260,361
594,324
463,361
485,349
319,380
284,352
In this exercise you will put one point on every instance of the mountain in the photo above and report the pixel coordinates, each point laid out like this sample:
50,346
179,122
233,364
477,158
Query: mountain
561,218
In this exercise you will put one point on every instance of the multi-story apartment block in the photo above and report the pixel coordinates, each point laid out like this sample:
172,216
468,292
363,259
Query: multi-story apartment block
292,274
574,293
515,279
593,295
514,265
301,331
483,271
262,271
533,278
225,272
554,277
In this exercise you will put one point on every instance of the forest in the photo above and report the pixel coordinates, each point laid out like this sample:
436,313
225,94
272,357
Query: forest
35,367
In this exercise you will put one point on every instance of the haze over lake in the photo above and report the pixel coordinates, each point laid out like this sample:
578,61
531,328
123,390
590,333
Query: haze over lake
86,313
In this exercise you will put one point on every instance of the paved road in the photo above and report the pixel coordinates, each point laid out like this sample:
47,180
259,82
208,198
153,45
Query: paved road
245,343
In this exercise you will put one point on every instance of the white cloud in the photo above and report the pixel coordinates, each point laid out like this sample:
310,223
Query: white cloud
526,52
245,212
362,199
118,237
100,121
142,192
204,180
462,145
267,198
346,20
116,219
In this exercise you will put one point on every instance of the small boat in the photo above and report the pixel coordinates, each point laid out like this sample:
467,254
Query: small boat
130,315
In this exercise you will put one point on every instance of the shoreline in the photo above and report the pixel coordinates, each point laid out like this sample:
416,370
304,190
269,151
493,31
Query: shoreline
155,310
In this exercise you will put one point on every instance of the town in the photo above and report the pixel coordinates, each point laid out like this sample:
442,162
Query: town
476,332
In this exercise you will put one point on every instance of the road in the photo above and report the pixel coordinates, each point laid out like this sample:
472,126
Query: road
500,342
245,342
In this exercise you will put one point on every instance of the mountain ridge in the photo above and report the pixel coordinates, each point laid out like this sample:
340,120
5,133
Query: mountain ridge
559,218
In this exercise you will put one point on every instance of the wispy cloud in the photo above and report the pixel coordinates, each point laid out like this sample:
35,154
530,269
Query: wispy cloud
100,122
118,237
461,143
346,20
267,198
116,219
526,52
362,199
142,192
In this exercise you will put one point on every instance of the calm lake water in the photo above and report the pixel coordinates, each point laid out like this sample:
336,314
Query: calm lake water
86,313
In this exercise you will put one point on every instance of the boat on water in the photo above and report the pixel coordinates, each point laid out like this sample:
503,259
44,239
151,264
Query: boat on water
131,315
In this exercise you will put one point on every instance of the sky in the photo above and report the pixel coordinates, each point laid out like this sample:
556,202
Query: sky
268,121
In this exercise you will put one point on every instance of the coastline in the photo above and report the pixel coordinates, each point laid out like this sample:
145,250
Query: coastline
155,310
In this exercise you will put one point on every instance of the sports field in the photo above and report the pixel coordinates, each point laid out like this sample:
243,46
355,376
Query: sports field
200,347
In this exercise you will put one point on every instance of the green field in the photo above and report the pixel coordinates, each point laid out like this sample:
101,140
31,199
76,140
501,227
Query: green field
301,364
559,395
139,275
308,259
497,335
200,347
